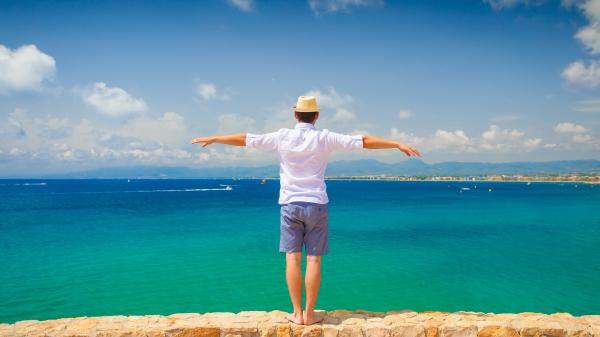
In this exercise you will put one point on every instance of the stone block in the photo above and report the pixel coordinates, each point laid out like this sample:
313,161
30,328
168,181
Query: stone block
458,330
284,330
497,331
200,332
407,330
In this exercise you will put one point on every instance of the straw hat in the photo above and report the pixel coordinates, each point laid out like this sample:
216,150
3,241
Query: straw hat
306,104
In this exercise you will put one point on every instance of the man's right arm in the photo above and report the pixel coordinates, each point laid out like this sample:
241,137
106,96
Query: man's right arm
238,139
373,142
267,141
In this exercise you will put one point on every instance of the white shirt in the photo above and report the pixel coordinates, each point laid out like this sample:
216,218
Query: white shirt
303,155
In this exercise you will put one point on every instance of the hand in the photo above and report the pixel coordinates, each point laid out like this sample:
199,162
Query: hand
205,140
409,150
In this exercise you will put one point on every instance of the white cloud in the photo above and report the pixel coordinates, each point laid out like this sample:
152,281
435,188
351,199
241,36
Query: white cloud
170,129
342,114
113,102
330,98
494,139
591,8
145,140
578,74
342,117
329,6
582,138
25,68
532,143
503,4
404,114
589,36
496,134
498,139
407,138
453,140
208,91
235,123
243,5
549,146
568,127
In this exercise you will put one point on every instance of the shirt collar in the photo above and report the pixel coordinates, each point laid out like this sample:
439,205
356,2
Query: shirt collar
302,125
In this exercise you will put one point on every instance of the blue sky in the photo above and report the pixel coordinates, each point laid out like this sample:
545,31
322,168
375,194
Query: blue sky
111,83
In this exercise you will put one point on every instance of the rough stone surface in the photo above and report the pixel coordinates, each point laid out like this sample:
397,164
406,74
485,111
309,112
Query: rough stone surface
336,323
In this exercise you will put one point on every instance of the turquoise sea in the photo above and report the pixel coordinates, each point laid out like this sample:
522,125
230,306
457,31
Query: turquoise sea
113,247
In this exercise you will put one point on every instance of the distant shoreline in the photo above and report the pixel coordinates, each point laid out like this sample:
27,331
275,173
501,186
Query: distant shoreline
594,181
590,179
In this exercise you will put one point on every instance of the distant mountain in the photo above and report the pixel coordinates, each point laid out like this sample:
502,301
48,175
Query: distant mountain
412,167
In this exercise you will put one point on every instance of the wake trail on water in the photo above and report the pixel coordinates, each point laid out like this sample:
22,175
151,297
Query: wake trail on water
25,184
139,191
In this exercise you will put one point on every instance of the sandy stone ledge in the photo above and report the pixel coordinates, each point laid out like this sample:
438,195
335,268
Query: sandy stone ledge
337,323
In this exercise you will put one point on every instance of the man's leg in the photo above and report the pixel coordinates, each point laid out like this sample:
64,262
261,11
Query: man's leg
293,275
313,282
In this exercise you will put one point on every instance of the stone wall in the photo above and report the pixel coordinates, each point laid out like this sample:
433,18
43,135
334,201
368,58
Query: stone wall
337,323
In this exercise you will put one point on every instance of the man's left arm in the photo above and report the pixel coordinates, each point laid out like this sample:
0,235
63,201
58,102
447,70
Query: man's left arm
373,142
238,139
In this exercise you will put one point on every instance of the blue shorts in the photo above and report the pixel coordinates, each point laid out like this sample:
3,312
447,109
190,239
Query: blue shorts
304,223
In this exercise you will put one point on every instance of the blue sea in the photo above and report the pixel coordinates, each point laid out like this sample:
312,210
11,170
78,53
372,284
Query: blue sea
118,247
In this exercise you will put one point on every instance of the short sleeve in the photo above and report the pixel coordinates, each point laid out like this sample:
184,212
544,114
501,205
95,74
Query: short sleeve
266,141
341,142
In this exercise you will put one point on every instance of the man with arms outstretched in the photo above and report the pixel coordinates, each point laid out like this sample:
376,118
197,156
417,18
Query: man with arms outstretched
303,155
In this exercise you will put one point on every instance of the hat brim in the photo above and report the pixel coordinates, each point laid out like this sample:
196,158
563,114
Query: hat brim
311,110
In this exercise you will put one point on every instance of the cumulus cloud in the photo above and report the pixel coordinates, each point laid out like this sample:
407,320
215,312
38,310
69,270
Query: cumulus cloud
568,127
342,118
532,143
582,138
235,123
408,138
112,102
208,91
169,129
498,139
452,141
342,114
146,140
496,134
330,6
25,68
405,114
494,139
243,5
330,98
578,133
580,74
443,139
589,36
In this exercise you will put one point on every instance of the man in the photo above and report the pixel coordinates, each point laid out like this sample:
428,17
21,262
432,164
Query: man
303,154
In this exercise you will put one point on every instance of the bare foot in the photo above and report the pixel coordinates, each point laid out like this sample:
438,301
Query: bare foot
295,319
312,319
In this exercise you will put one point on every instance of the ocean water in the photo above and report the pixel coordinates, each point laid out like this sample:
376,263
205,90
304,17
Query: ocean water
113,247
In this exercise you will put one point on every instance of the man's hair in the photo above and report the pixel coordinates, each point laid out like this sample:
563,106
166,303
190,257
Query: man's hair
306,117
